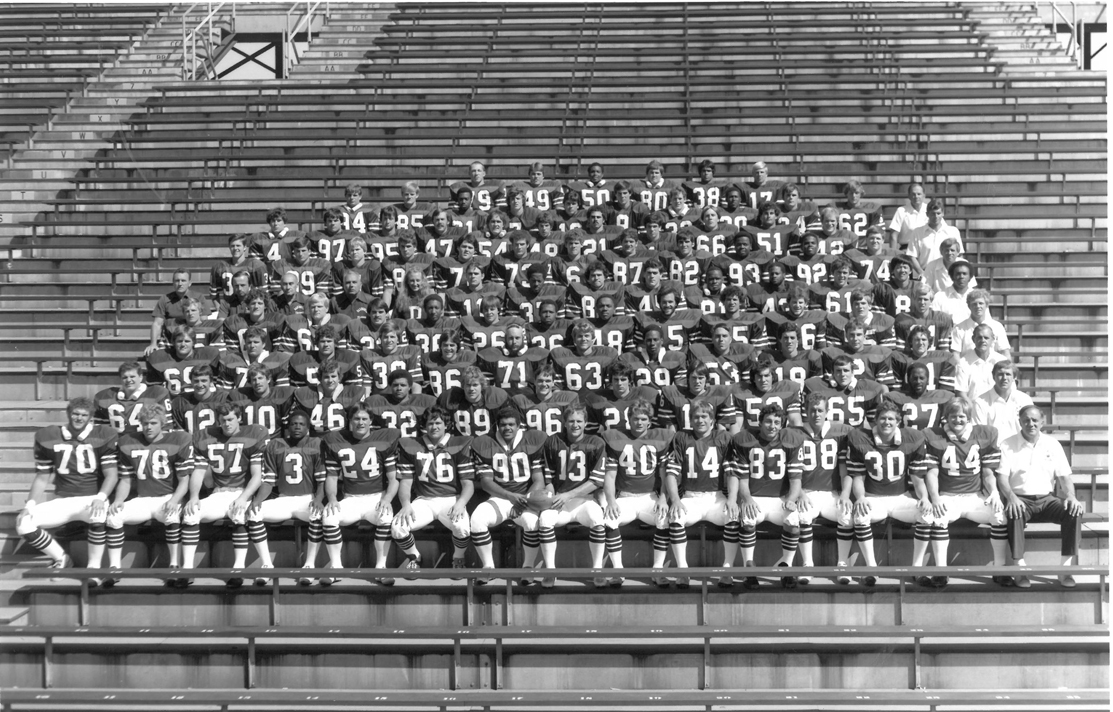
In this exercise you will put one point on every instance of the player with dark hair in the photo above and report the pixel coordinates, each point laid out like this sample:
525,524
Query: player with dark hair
274,245
388,356
879,328
762,389
314,274
120,406
869,360
352,213
170,306
399,407
919,404
80,459
941,365
233,365
850,399
939,324
725,358
426,332
704,190
543,405
195,411
512,367
486,196
792,362
733,210
444,368
327,401
220,278
261,401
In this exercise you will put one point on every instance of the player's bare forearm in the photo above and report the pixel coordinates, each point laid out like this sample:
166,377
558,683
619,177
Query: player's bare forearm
38,487
931,485
111,477
989,481
123,489
467,490
609,487
332,485
262,493
584,490
391,485
794,490
255,480
195,482
405,487
180,492
672,489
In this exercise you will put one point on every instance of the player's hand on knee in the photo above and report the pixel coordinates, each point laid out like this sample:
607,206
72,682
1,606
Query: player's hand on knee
677,512
193,508
458,512
861,509
98,508
750,511
332,509
406,515
733,511
994,500
1073,507
384,511
803,502
612,512
315,511
558,501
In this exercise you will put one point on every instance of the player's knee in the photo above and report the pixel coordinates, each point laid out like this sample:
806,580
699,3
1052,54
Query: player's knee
481,519
330,520
116,521
25,525
460,529
591,515
548,519
528,521
399,529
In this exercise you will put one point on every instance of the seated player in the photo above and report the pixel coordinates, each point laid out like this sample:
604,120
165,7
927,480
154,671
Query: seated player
173,366
488,328
519,216
119,407
1001,405
856,214
509,268
633,487
160,463
574,464
395,267
542,405
908,217
492,240
292,485
952,300
545,234
871,258
581,367
314,275
765,480
261,401
473,405
234,303
793,363
627,258
426,333
595,190
760,188
436,480
170,306
962,336
794,210
444,368
388,356
963,458
609,408
704,190
274,245
725,358
240,260
733,210
572,216
683,264
825,486
523,300
547,331
365,461
540,193
654,364
80,459
467,299
305,366
354,216
326,402
834,238
399,407
232,454
767,232
598,236
894,297
679,327
195,411
771,293
761,389
382,242
938,324
485,196
233,328
870,361
698,487
1032,464
850,399
569,265
652,232
879,327
941,365
919,404
352,300
508,465
813,325
888,464
678,215
233,365
653,190
925,241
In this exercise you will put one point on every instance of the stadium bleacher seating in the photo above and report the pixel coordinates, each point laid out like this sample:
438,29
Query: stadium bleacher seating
971,99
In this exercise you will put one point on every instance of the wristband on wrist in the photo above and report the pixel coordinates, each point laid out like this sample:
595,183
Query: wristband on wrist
29,505
102,496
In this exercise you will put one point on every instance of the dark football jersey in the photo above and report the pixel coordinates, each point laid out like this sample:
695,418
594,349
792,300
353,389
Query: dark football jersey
376,367
871,362
544,415
156,467
686,271
550,338
627,269
353,307
700,464
668,369
605,410
712,242
879,331
678,330
674,406
581,299
887,469
921,413
524,306
371,271
872,268
892,300
403,415
723,369
701,194
220,278
568,465
315,275
942,367
637,462
272,247
330,247
427,337
825,296
361,466
269,411
394,269
511,373
744,271
616,333
767,192
740,217
441,375
486,196
438,244
512,465
798,368
811,270
230,458
855,407
293,469
814,325
326,412
960,463
464,302
231,369
305,368
478,335
860,218
774,240
436,469
582,373
768,466
164,368
593,193
820,454
76,460
192,414
297,333
468,221
939,325
749,402
473,419
110,408
357,218
745,328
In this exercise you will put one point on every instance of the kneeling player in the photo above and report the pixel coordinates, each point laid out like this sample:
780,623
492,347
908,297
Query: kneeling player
366,462
632,486
294,470
574,469
436,479
766,475
509,469
887,464
967,455
81,458
694,477
234,454
160,463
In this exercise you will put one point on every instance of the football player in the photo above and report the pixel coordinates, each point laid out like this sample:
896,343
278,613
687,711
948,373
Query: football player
850,399
676,405
233,364
356,259
704,190
389,356
314,274
654,364
514,366
941,365
761,188
939,324
919,404
443,369
220,279
305,366
119,407
173,366
327,401
581,367
193,412
261,402
399,407
473,405
761,389
426,333
353,215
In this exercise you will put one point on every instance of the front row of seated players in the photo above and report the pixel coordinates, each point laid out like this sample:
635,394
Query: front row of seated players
787,476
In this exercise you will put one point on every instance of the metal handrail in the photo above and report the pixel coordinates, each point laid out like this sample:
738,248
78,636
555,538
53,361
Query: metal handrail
289,41
1074,46
189,37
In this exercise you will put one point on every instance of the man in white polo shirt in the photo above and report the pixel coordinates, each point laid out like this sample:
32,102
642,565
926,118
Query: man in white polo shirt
1031,464
974,374
962,338
1000,406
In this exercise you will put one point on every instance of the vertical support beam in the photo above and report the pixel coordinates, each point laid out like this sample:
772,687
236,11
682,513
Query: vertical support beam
702,602
276,611
705,669
83,603
916,679
250,663
469,599
454,676
1103,599
496,684
48,663
900,601
507,615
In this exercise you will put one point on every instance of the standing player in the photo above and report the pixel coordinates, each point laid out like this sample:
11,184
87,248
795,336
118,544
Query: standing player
173,366
850,400
80,457
761,188
514,366
193,412
261,402
389,356
581,367
119,407
485,196
543,405
763,389
328,401
220,279
705,190
942,365
233,365
365,461
793,363
314,274
473,405
399,408
353,215
855,214
294,472
508,464
919,404
233,454
444,368
653,190
160,463
436,480
574,466
963,459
